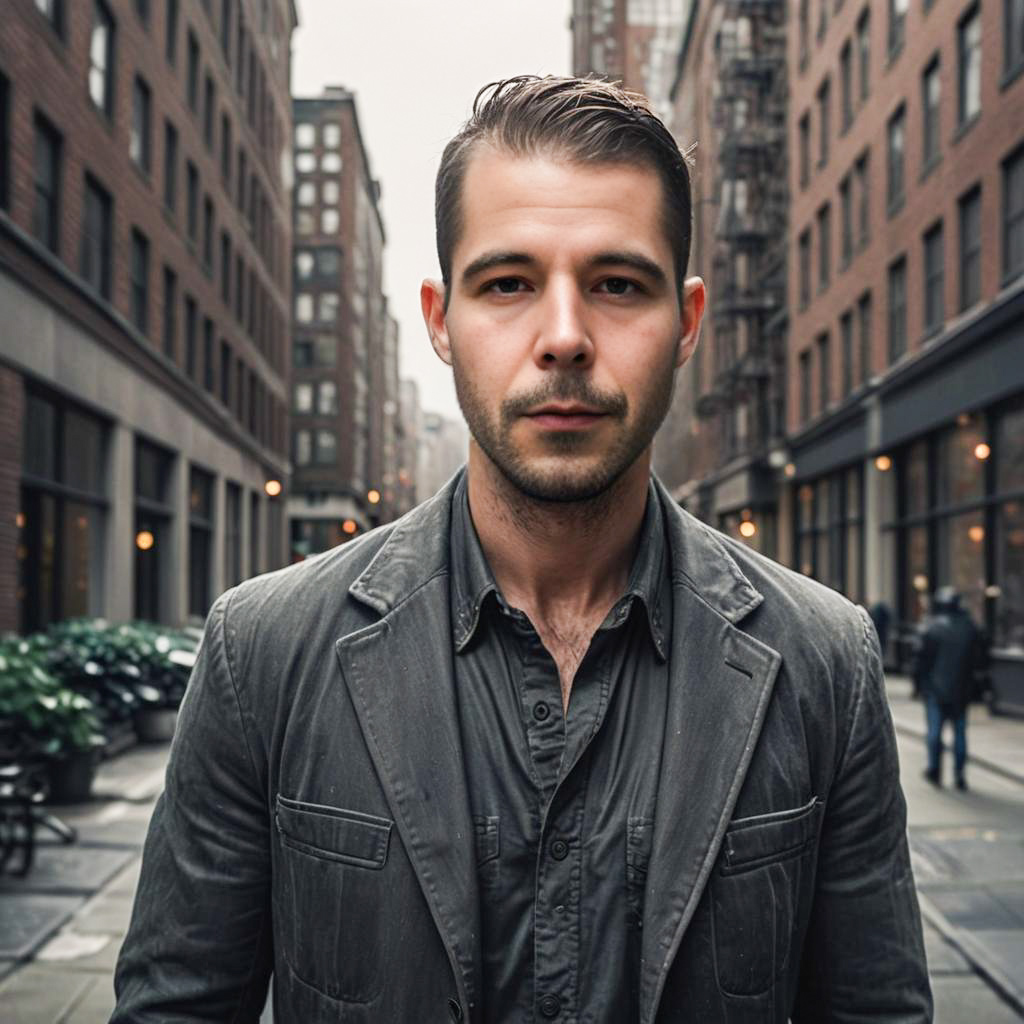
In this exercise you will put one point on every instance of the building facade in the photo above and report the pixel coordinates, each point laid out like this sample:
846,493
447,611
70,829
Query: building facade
345,386
145,234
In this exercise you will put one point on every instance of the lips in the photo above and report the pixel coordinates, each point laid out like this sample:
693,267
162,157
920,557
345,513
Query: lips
565,417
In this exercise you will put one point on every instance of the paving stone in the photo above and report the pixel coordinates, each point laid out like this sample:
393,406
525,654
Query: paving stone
970,853
126,833
971,908
28,919
96,1003
107,912
942,957
960,998
34,995
127,881
1003,951
76,868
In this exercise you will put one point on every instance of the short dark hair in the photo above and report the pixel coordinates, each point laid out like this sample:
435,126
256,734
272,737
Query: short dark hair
587,120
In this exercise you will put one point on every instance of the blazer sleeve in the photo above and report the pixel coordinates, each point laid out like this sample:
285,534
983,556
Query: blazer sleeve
199,944
864,952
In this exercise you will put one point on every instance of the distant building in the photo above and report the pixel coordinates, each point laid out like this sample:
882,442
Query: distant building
410,429
342,331
145,228
443,444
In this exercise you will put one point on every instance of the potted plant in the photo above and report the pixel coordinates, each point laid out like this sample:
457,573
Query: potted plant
165,659
45,721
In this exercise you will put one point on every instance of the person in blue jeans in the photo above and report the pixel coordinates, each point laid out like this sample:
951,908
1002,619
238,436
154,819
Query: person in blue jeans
950,652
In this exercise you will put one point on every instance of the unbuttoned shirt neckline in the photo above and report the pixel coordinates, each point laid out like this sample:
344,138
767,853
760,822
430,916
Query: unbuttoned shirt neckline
563,804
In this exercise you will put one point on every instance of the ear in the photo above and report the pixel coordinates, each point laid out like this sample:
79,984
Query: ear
694,298
432,304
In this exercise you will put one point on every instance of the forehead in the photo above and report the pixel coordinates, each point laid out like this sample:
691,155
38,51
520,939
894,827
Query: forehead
550,200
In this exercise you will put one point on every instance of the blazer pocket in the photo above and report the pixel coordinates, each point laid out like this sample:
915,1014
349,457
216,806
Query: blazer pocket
333,833
767,838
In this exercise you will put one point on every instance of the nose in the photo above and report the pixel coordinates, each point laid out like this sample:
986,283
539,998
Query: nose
562,340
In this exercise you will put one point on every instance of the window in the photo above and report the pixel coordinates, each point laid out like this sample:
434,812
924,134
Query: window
225,372
864,335
304,307
805,385
805,150
170,326
208,234
226,148
303,442
934,279
824,246
328,262
208,367
305,163
101,58
304,264
968,35
860,171
97,224
897,25
53,11
139,135
142,10
305,135
305,223
140,281
804,15
225,268
305,194
1013,53
62,512
970,248
804,251
232,534
254,534
192,201
239,288
225,30
326,453
5,142
824,103
332,136
895,134
191,338
330,192
171,32
303,398
864,53
846,84
328,307
1013,214
846,340
822,344
330,163
154,514
318,351
200,540
46,183
330,222
846,223
243,177
327,398
822,18
930,91
192,73
209,106
170,166
897,309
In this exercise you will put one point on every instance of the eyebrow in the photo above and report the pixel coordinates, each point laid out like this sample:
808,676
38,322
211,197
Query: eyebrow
625,258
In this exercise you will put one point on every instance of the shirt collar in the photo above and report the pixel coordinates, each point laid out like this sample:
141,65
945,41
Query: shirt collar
472,580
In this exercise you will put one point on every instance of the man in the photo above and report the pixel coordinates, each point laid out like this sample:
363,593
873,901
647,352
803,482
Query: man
548,748
951,651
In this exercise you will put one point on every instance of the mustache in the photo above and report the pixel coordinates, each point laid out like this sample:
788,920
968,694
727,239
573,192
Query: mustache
565,389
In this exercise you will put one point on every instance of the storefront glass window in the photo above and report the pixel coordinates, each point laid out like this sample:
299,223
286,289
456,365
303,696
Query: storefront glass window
1009,605
916,584
960,472
153,515
915,479
960,552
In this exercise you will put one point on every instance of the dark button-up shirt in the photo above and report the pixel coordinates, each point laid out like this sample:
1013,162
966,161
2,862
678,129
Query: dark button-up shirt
563,805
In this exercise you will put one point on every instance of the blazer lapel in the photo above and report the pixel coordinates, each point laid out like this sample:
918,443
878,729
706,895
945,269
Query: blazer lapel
722,680
400,675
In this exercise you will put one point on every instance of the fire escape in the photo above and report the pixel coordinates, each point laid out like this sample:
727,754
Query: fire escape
747,287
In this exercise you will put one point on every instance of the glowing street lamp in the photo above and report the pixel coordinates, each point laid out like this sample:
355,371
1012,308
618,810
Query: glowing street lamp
349,526
273,488
373,496
144,540
883,463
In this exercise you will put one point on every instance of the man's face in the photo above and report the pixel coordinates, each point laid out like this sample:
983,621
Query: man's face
564,327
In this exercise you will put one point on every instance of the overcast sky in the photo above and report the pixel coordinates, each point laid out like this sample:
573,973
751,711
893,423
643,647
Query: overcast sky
415,66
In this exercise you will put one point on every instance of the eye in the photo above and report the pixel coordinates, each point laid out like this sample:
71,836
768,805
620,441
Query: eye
505,285
619,286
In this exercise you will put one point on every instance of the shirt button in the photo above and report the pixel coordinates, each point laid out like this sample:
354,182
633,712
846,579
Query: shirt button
541,711
559,849
550,1006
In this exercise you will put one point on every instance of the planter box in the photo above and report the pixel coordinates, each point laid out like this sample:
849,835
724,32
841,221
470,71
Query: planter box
71,778
156,725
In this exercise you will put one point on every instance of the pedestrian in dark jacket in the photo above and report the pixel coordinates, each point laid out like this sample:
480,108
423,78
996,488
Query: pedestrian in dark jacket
949,653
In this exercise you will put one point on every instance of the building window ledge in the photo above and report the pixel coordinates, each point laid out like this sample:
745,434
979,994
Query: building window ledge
965,126
1011,75
930,166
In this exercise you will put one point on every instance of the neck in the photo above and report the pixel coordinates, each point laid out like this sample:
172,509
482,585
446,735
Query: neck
565,557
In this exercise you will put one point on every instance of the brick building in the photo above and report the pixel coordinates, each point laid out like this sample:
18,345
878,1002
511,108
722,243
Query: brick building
145,232
345,372
906,351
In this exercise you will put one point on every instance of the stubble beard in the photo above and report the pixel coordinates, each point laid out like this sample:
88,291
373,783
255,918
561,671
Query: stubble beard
586,482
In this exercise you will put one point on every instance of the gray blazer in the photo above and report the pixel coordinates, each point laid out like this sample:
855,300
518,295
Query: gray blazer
316,823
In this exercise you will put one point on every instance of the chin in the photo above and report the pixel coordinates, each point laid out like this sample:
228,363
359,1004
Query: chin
562,480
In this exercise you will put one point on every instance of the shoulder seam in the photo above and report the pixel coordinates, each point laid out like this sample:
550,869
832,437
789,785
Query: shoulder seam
859,687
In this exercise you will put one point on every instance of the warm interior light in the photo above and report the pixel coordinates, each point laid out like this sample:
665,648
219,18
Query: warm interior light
920,583
144,540
982,450
790,469
273,488
976,533
349,526
883,463
747,528
373,496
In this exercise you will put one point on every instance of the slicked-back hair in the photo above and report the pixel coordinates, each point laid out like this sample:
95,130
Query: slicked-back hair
587,121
